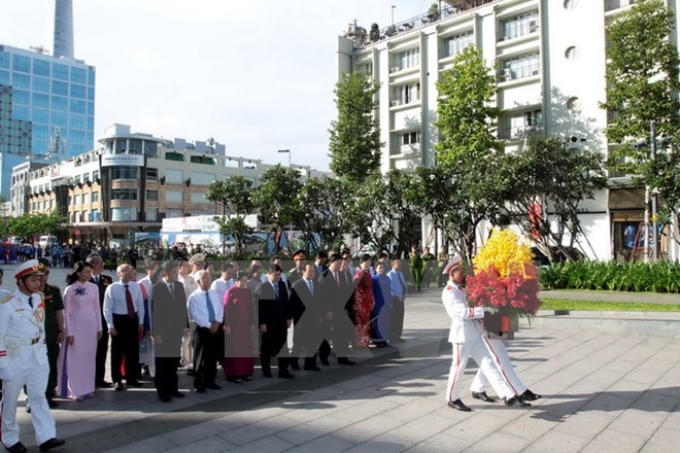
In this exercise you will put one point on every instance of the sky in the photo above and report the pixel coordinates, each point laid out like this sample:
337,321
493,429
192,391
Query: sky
255,75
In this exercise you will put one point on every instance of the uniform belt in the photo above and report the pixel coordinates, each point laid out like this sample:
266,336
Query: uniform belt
35,340
13,342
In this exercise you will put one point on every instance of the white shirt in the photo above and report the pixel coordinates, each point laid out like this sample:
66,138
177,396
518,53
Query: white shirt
198,307
189,283
115,301
19,326
221,286
146,283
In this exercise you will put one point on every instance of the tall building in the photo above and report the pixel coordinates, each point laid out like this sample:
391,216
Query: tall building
62,38
551,60
47,101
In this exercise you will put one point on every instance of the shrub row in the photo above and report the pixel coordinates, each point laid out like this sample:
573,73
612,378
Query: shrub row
660,277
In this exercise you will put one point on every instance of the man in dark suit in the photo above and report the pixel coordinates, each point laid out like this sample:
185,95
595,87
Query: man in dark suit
306,299
103,282
169,321
337,324
274,319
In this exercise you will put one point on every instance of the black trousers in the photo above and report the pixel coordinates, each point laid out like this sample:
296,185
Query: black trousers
52,357
341,333
166,376
272,343
206,348
125,346
397,317
102,350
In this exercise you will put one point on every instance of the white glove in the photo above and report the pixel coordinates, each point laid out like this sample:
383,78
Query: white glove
6,375
491,310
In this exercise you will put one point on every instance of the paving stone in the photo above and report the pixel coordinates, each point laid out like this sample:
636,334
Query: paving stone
617,441
325,444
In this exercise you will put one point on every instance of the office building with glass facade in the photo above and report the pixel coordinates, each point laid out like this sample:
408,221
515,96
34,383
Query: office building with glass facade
55,96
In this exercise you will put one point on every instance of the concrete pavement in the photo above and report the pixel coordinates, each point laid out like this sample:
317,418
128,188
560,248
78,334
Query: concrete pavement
602,391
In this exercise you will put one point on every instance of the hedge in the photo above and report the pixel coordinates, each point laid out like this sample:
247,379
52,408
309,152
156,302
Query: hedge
660,277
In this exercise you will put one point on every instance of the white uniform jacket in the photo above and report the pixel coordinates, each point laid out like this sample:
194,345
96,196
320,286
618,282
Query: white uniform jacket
22,332
464,319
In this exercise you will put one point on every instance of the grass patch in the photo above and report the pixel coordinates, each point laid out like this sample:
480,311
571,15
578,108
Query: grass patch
587,305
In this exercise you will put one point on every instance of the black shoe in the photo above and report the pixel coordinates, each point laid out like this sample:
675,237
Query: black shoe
237,381
346,361
52,443
324,361
295,365
267,373
312,368
459,405
136,384
213,386
285,374
190,372
177,395
17,448
52,404
528,395
119,387
165,399
200,389
483,396
103,385
515,401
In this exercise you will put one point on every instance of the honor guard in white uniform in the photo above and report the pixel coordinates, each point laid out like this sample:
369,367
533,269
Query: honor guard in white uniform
465,336
23,359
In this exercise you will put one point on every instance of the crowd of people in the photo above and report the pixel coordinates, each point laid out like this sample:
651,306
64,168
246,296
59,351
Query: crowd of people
181,315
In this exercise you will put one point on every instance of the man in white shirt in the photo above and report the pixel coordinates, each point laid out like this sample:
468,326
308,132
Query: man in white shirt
206,311
226,281
124,314
150,267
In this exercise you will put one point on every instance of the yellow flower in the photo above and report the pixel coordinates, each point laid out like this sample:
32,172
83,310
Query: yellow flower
505,252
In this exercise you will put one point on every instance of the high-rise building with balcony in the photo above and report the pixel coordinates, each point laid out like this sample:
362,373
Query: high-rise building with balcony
47,101
550,57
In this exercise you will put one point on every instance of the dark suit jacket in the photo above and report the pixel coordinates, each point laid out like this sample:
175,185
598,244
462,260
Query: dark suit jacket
302,301
271,311
169,318
334,293
104,282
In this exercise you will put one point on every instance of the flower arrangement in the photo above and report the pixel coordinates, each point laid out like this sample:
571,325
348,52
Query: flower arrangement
505,277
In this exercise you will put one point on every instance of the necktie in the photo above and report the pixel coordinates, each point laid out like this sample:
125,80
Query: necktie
276,290
211,310
96,279
30,301
171,287
128,301
311,290
337,280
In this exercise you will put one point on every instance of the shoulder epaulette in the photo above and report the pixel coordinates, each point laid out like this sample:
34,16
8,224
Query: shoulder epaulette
6,298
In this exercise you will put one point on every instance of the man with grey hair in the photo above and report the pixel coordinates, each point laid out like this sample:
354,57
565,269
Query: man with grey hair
102,281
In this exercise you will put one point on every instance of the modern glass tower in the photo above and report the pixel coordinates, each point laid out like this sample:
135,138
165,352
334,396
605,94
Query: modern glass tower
48,100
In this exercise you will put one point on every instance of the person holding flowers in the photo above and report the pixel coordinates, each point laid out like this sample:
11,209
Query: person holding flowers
505,278
466,337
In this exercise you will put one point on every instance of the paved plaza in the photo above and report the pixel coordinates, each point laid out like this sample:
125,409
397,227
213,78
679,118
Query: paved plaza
604,390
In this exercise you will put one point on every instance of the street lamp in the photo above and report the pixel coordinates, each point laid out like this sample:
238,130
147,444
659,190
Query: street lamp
129,219
393,6
287,151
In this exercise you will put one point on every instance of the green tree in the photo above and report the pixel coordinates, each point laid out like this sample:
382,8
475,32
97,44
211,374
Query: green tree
234,196
355,145
276,199
643,81
468,151
30,225
549,175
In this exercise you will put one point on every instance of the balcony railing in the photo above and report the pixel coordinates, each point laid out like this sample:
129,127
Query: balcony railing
399,149
518,29
362,37
518,133
508,74
616,4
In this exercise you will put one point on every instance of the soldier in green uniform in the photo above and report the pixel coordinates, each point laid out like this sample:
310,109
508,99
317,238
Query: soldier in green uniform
416,264
54,329
428,266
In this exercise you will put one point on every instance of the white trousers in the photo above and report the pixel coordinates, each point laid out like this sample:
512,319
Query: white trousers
499,354
35,380
475,348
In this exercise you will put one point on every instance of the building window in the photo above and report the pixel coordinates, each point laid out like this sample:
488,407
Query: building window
520,124
174,156
152,174
95,215
366,68
198,198
457,43
69,201
124,173
123,194
77,179
202,160
86,198
86,216
152,195
151,215
408,59
410,138
174,176
95,197
95,175
520,25
173,213
174,196
198,212
520,67
406,94
202,179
